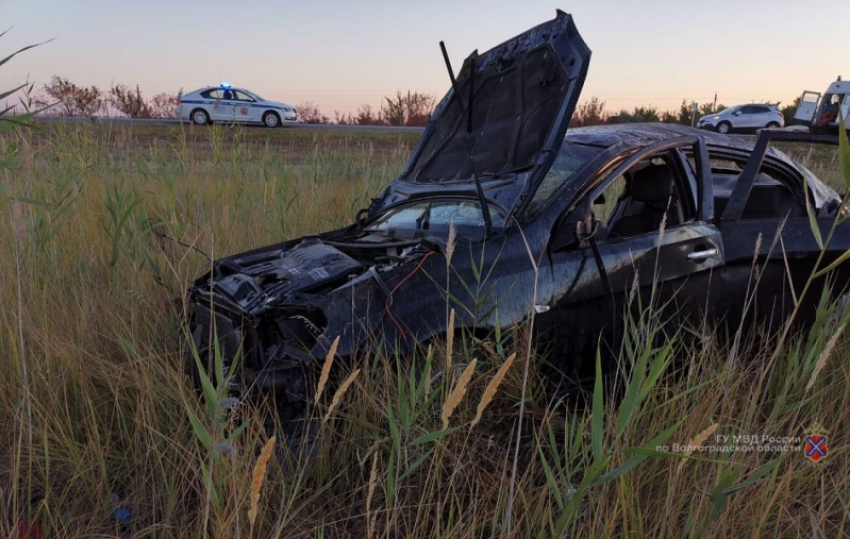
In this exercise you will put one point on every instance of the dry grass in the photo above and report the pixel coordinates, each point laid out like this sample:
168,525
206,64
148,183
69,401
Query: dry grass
492,388
457,394
92,393
258,477
326,369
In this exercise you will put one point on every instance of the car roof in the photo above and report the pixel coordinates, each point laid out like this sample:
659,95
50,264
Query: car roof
643,134
205,88
768,105
640,134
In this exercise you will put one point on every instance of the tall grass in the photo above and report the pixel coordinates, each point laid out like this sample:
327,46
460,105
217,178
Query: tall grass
93,400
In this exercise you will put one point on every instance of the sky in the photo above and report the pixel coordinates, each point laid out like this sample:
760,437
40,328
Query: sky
341,53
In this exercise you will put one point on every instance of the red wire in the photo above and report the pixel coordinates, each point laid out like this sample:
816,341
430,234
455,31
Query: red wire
409,275
387,302
397,325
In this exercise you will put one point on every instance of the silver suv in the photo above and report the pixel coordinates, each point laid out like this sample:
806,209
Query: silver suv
743,118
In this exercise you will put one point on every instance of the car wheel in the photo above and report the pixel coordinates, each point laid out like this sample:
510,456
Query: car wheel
724,128
271,119
289,391
200,117
773,125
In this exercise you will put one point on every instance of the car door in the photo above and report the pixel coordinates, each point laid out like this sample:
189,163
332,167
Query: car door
770,249
749,118
211,99
760,117
213,103
630,242
807,107
224,108
845,108
245,109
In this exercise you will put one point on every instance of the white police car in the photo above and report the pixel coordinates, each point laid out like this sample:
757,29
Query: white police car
224,103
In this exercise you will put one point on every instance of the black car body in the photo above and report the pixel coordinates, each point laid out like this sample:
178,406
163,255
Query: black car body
573,220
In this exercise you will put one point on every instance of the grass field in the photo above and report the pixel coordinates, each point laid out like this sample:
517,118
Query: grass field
95,409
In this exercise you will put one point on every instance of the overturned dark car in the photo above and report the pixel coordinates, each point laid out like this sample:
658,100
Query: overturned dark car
503,215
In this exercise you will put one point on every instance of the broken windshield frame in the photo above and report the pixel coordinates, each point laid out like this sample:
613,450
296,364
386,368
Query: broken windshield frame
572,157
434,216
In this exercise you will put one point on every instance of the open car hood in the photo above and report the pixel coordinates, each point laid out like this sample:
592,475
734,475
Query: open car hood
524,92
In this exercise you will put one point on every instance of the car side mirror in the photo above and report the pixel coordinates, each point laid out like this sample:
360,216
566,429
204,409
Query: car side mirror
578,227
736,113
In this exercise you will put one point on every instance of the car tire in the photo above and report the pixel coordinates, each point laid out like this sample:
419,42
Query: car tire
271,119
200,117
772,125
724,128
291,394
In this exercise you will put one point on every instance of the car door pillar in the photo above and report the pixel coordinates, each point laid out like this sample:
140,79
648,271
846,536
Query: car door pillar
705,187
741,193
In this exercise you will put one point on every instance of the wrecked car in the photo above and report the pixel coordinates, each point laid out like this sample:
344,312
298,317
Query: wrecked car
502,214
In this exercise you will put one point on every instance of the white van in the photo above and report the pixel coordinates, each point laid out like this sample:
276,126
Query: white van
822,110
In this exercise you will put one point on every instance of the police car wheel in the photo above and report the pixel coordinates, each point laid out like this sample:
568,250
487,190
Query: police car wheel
271,119
200,117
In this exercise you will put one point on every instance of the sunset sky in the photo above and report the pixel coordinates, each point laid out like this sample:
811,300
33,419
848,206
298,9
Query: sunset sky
340,54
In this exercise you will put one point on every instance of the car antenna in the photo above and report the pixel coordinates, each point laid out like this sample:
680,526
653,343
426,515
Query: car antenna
452,77
485,208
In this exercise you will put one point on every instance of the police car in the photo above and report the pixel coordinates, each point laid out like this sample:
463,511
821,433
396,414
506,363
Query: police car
224,103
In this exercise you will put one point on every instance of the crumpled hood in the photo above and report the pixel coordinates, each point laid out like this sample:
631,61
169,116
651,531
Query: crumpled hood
524,92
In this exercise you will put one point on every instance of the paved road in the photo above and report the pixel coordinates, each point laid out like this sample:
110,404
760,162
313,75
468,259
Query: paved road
168,121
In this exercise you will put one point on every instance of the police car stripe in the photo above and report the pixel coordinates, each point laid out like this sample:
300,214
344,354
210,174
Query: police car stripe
252,105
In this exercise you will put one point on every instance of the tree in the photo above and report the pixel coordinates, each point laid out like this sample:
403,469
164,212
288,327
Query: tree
162,105
309,113
789,110
413,109
393,110
668,117
70,99
128,102
686,111
367,116
344,118
590,113
708,108
640,114
684,114
646,114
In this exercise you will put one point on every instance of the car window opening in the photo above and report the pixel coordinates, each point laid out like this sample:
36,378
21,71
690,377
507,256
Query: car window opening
572,157
771,197
638,201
